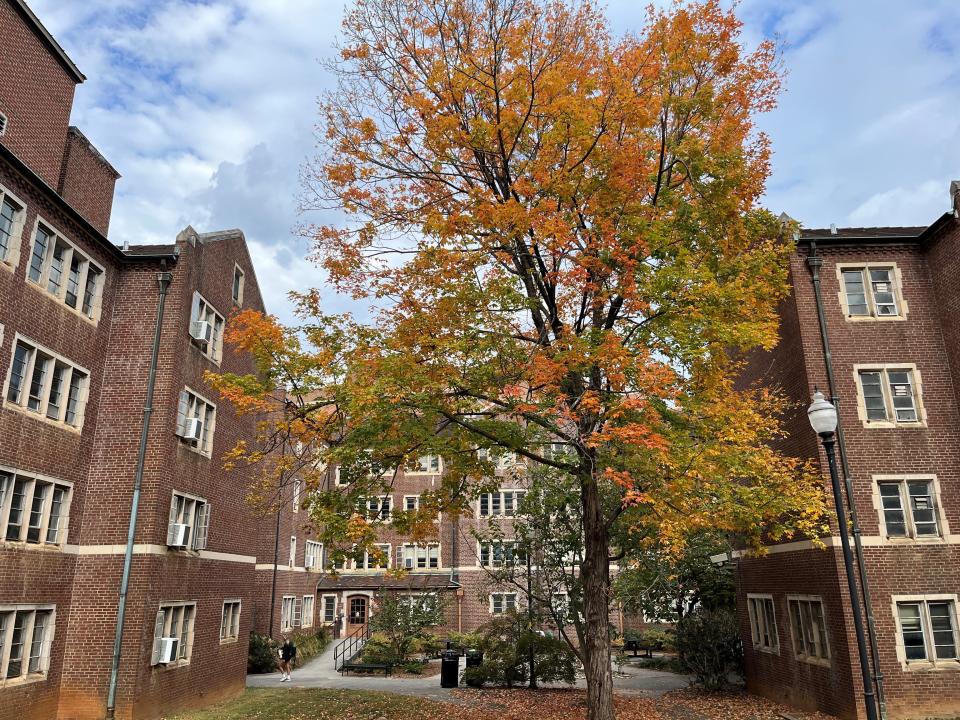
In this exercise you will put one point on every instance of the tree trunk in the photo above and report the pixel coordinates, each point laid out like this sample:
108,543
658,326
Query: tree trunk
596,602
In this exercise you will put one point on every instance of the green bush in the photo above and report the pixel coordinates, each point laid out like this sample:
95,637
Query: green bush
506,644
461,642
709,645
659,638
378,650
413,667
262,655
309,644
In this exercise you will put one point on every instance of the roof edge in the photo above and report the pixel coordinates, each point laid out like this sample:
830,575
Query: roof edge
50,41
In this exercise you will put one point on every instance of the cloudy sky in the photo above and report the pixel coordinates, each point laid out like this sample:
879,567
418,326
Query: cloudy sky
207,109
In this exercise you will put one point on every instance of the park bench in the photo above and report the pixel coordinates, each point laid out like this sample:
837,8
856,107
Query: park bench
634,646
387,668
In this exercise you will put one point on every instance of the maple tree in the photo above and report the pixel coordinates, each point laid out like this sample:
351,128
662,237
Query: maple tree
558,234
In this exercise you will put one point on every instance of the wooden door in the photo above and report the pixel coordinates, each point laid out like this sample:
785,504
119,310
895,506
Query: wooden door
358,611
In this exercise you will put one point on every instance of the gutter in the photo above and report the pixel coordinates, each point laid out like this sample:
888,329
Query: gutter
163,280
814,263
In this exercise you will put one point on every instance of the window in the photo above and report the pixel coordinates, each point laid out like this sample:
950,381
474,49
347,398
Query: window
47,384
313,555
329,608
555,451
909,508
419,557
338,479
411,503
196,418
307,617
889,395
809,629
375,561
173,633
287,611
230,621
426,602
560,603
3,123
500,553
26,633
293,551
502,602
33,510
237,285
427,465
297,485
928,629
189,522
763,623
377,508
12,216
870,291
505,503
57,266
500,458
206,328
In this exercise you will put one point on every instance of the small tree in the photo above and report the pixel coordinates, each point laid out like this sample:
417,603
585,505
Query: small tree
403,621
709,643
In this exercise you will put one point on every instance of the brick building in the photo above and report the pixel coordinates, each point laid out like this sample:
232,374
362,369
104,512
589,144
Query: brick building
79,318
889,352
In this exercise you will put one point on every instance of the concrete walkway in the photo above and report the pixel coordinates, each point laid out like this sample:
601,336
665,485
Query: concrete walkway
319,673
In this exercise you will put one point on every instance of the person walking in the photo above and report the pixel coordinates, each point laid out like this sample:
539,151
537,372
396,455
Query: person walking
288,653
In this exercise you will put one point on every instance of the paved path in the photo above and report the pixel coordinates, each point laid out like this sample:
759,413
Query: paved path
319,673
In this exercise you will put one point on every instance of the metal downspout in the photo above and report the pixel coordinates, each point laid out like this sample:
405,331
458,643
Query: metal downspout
163,279
815,262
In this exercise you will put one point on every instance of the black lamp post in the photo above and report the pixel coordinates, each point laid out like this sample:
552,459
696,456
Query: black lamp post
823,419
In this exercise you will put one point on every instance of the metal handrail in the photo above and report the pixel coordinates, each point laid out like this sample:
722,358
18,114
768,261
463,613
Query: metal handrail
350,647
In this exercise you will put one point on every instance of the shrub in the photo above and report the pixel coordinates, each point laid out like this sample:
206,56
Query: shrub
659,638
401,625
506,644
262,655
309,644
461,642
709,644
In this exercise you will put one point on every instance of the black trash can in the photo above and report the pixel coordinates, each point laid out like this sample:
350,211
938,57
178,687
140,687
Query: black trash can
474,659
449,669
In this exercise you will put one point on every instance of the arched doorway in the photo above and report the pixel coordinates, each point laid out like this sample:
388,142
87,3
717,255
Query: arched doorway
358,612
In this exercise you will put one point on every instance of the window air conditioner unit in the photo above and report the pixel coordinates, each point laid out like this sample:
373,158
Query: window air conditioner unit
180,535
201,331
168,649
308,562
192,429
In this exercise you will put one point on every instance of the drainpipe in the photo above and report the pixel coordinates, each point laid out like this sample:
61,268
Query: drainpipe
815,262
163,279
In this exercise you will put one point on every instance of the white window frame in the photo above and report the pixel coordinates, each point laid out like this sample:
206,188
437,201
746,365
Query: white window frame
505,606
9,478
416,503
193,512
821,655
288,606
236,293
297,486
180,615
203,309
313,550
511,559
902,479
885,369
364,564
424,465
8,615
192,404
410,555
499,499
86,263
10,258
78,392
759,623
230,621
378,515
306,616
323,608
293,552
872,315
931,661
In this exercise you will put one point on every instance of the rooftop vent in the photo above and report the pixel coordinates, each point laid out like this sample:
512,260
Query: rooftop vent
833,228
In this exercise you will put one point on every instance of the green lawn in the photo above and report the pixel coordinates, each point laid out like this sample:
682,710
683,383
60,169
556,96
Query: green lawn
306,704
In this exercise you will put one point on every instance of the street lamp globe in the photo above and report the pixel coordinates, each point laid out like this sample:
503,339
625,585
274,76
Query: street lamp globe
822,414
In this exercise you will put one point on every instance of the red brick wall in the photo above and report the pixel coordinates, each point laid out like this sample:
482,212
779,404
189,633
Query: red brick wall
36,95
87,181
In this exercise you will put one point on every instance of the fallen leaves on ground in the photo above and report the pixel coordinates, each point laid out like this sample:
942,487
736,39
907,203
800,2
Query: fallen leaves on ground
488,704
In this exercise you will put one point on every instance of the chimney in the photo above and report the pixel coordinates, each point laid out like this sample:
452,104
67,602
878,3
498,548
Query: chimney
955,197
833,228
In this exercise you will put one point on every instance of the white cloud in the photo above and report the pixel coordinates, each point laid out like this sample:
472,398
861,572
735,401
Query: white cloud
207,109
